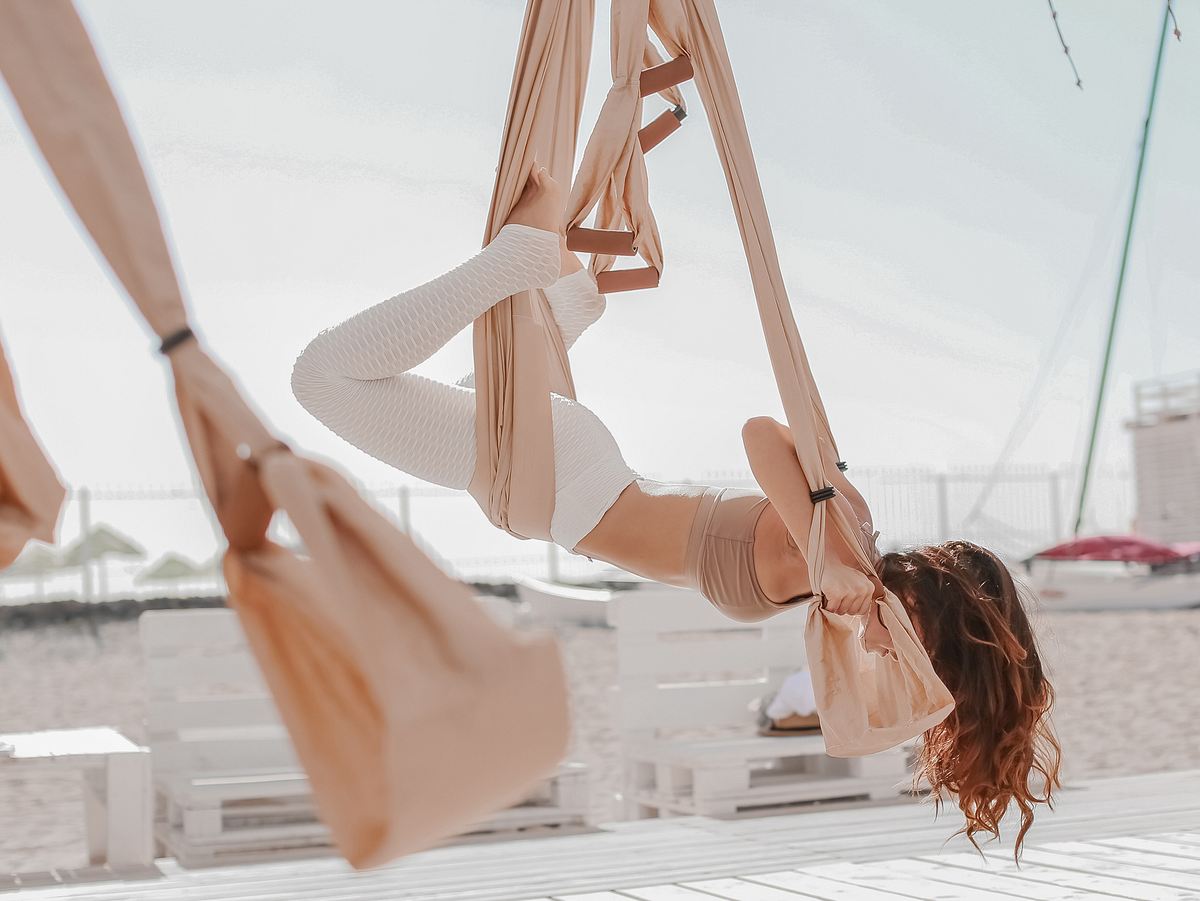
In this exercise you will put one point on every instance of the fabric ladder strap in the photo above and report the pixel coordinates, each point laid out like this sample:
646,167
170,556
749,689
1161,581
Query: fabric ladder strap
620,243
608,241
672,72
613,281
661,128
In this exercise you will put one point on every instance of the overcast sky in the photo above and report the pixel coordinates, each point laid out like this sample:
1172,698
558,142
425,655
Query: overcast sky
939,188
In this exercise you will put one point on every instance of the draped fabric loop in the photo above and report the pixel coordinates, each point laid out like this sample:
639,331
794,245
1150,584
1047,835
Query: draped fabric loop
872,692
519,355
387,675
31,495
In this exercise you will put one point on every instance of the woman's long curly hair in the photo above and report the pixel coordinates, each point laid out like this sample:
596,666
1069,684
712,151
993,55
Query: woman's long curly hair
998,739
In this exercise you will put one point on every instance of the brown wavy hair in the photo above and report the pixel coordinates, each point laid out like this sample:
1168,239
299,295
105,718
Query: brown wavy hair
998,739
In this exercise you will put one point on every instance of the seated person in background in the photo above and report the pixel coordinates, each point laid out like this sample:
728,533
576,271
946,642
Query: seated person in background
792,710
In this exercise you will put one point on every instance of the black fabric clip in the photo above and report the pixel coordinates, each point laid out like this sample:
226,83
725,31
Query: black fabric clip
679,113
842,465
823,495
172,341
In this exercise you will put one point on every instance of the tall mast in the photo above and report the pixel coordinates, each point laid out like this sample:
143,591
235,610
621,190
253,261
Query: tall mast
1112,321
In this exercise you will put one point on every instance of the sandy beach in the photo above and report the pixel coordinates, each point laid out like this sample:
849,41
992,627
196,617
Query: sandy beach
1126,686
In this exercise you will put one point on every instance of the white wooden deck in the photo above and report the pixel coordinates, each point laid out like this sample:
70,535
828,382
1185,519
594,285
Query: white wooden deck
1135,838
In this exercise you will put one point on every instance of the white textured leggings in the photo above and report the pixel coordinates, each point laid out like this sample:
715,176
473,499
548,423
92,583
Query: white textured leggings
354,378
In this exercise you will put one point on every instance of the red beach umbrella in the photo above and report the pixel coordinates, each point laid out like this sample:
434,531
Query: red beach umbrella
1123,548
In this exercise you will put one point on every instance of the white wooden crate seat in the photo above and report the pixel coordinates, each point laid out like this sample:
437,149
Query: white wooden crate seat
116,786
229,786
551,604
687,678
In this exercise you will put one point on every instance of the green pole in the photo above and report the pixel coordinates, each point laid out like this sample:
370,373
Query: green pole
1112,321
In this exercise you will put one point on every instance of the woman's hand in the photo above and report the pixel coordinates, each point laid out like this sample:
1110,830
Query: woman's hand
847,591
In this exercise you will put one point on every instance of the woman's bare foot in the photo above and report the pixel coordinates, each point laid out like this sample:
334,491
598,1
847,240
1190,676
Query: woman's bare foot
543,205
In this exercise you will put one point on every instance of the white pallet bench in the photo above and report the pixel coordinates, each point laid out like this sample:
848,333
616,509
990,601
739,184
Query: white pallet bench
684,666
551,604
116,786
724,777
229,786
558,803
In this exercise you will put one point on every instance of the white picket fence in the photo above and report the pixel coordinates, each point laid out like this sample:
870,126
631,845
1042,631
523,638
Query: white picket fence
1027,508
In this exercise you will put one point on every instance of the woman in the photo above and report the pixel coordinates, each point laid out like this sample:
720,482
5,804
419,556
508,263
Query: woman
729,544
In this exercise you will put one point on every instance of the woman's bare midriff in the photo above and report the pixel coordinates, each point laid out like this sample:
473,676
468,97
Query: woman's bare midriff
646,531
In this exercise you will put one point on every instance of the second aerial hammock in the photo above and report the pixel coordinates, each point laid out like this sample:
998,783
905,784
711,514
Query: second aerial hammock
868,699
385,672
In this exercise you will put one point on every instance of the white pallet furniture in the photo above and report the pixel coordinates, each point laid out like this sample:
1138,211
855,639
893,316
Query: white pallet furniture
687,677
229,786
552,604
502,610
116,786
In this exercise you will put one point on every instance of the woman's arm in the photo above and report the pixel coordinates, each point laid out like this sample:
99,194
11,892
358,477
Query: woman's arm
772,454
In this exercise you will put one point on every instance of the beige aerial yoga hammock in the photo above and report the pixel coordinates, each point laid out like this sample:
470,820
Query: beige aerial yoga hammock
868,701
387,675
31,495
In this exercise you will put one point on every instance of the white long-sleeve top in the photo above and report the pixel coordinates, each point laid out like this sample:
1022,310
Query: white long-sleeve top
355,378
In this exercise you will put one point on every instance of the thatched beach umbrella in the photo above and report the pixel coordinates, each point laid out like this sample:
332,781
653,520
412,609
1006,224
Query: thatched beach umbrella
175,568
37,558
100,543
168,568
34,563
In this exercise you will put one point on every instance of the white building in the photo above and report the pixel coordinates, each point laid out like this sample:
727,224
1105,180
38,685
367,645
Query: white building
1166,455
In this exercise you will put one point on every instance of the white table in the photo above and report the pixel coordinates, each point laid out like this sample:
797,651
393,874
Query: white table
118,799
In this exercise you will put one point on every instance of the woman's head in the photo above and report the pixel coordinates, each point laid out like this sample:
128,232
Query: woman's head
972,621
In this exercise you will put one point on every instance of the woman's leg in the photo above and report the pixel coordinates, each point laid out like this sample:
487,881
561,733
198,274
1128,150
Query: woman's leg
576,305
354,377
394,336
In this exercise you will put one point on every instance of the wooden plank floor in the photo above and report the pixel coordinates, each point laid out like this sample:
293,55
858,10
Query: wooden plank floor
1134,838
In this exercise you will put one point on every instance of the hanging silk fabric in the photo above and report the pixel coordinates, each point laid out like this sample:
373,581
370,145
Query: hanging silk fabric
519,354
387,676
31,495
868,700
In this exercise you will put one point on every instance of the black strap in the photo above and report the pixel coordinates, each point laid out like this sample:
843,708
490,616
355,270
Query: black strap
679,113
173,340
842,465
823,495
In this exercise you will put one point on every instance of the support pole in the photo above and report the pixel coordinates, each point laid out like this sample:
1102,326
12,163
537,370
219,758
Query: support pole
85,532
1056,523
1112,321
943,506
